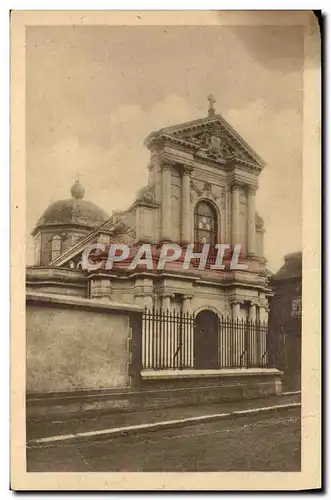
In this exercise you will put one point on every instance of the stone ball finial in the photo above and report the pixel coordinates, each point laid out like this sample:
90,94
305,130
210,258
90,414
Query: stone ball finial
77,191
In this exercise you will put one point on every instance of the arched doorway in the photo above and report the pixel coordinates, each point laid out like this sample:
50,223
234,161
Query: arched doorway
206,340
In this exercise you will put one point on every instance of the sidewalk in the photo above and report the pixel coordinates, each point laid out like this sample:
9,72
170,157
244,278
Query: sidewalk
49,428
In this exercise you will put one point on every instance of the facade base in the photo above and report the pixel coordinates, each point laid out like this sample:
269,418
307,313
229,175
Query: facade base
161,390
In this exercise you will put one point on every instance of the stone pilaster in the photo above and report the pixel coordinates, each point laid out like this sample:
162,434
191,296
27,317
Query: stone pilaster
236,309
166,302
252,312
186,305
143,300
251,223
264,314
235,201
143,292
166,203
186,205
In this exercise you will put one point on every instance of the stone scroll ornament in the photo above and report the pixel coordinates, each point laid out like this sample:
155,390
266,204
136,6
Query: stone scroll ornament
121,233
146,194
205,189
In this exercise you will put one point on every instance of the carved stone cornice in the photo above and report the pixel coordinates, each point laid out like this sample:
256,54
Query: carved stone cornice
250,167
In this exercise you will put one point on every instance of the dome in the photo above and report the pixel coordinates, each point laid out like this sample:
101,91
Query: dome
73,211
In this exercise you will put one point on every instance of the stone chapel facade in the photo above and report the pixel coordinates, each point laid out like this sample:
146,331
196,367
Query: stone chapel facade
202,184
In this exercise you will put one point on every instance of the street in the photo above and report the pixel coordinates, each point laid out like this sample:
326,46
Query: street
264,442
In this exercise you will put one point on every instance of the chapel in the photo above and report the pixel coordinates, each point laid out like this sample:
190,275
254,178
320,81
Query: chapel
202,184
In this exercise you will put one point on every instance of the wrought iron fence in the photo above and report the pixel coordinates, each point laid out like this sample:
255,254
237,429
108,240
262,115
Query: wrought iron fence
168,341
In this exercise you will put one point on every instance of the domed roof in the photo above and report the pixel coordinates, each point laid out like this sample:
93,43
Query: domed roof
73,211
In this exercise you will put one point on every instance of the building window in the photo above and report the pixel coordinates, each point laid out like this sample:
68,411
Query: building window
296,308
205,223
55,247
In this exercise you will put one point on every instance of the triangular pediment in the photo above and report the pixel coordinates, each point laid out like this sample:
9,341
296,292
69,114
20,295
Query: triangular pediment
214,138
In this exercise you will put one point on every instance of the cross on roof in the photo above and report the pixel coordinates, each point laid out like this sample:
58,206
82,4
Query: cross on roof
212,101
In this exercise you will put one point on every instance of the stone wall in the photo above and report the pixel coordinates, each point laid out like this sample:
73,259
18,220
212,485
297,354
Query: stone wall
56,280
173,389
77,344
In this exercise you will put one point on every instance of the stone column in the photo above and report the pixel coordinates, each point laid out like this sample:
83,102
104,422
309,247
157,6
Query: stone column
186,205
234,343
143,292
166,203
264,314
252,311
235,201
166,304
186,303
236,310
254,337
251,230
188,331
144,300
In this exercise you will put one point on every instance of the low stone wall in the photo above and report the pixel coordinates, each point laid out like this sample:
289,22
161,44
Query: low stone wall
75,344
163,390
84,355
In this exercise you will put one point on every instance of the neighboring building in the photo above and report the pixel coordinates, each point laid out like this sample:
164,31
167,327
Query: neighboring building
286,318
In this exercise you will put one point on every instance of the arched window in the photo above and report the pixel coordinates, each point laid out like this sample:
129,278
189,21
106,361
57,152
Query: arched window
205,223
55,247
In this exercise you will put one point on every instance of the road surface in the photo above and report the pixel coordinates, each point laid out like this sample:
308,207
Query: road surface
265,442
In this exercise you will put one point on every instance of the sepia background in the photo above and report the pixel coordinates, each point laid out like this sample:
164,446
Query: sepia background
94,93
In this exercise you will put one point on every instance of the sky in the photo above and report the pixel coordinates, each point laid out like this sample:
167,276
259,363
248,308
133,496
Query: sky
94,93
